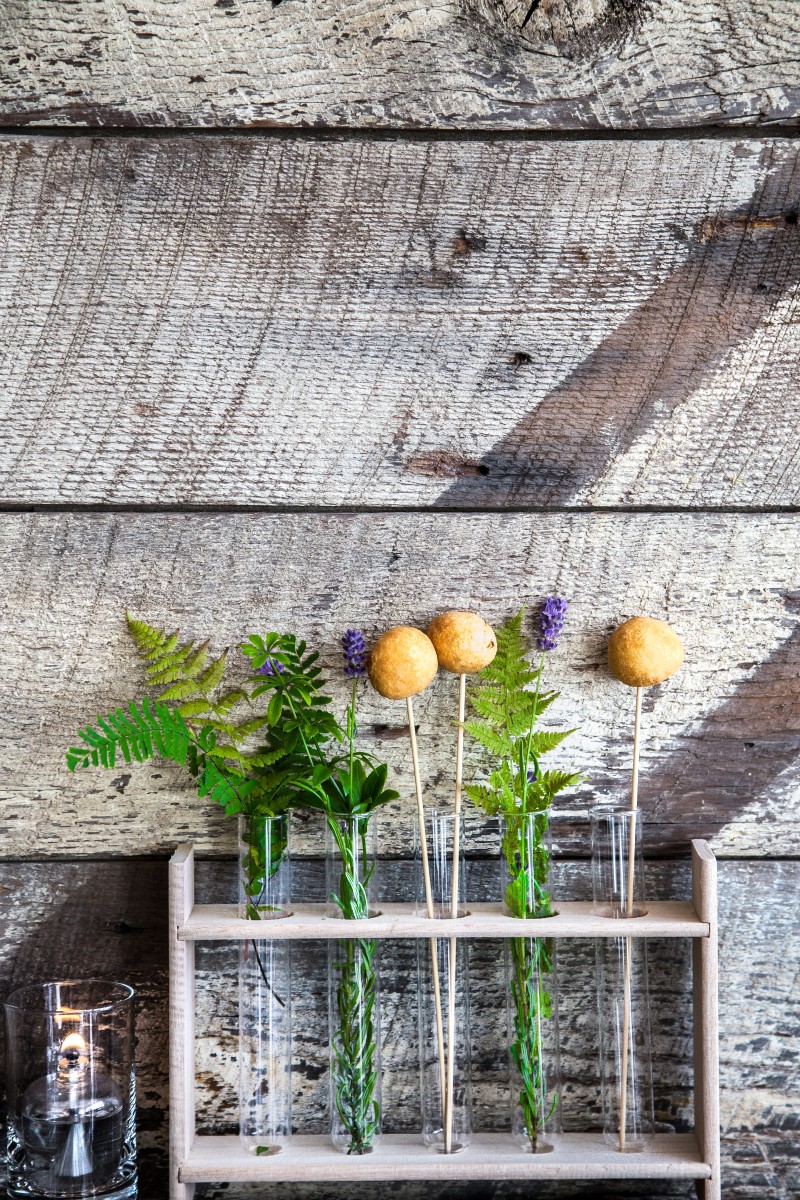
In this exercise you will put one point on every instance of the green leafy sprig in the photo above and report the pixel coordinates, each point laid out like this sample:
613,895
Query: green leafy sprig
347,787
508,701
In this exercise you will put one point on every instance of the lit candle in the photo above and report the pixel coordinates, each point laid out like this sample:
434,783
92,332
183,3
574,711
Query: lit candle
72,1075
71,1090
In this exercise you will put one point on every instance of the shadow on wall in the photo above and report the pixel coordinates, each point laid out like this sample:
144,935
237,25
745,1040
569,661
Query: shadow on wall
739,265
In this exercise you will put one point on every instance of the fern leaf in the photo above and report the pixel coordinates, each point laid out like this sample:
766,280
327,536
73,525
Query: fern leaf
247,728
553,782
221,750
213,676
183,671
149,640
183,690
229,699
194,708
547,739
483,797
508,701
495,740
198,660
265,758
168,667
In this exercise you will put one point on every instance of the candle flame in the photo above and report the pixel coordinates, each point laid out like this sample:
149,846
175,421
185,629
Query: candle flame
73,1054
73,1043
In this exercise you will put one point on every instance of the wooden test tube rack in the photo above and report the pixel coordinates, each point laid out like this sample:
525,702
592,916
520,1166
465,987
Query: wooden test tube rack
490,1156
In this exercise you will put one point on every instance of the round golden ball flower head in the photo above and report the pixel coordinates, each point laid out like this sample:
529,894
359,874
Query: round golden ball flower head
464,641
402,662
644,651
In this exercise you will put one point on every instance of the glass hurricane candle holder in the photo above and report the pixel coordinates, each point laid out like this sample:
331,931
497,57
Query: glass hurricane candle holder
353,988
71,1090
625,1046
532,986
265,987
443,1001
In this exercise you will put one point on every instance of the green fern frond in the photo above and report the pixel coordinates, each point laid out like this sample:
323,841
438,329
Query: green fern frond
194,708
226,788
198,660
145,730
508,700
496,741
184,689
169,667
190,681
553,782
482,796
212,677
150,642
228,700
167,661
547,739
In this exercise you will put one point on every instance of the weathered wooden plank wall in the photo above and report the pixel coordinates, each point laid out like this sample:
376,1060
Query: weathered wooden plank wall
586,64
213,321
722,739
397,324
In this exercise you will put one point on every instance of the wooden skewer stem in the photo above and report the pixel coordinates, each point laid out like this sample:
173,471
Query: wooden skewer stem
462,704
626,1016
451,981
426,874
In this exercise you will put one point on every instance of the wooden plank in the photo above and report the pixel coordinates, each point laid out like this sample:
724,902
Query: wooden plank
705,988
456,323
664,918
117,925
308,1159
587,64
181,1022
721,739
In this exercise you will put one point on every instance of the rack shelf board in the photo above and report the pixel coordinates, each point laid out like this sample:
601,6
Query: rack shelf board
311,1159
663,919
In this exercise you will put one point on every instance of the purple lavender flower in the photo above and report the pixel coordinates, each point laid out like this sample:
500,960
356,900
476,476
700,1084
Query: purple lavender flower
551,622
271,667
532,776
354,649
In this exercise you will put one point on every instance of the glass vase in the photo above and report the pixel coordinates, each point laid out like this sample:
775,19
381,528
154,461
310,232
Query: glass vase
265,987
532,986
353,993
625,1045
71,1090
443,999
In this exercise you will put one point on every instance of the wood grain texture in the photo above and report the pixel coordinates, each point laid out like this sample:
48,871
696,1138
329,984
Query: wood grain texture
402,1158
390,323
586,64
666,918
117,925
721,739
705,1009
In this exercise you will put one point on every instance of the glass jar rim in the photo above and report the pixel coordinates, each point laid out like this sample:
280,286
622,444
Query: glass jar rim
16,999
442,814
612,809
